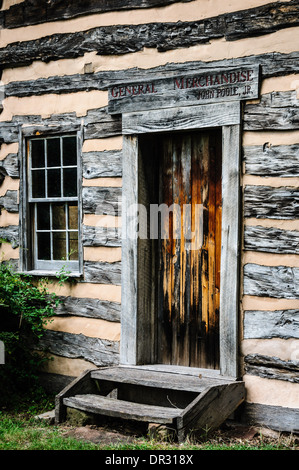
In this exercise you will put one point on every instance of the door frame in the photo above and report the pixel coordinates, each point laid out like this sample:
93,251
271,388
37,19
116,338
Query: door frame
137,328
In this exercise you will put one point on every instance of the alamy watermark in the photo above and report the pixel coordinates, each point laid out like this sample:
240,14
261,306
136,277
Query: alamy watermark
155,221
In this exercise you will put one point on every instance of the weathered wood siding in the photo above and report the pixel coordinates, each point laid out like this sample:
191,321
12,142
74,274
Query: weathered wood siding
58,60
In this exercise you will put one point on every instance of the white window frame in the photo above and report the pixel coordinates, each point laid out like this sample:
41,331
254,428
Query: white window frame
28,252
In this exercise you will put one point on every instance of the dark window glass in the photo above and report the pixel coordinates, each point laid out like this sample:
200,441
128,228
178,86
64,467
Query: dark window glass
69,151
53,152
73,216
58,216
38,183
43,246
37,153
70,182
54,183
43,216
73,246
59,245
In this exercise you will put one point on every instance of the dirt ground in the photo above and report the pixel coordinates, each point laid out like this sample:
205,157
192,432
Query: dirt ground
108,431
229,434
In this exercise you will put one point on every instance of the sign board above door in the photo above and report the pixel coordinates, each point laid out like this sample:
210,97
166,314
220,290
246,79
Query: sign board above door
198,87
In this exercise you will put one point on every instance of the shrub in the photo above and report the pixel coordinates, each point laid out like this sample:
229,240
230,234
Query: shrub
25,307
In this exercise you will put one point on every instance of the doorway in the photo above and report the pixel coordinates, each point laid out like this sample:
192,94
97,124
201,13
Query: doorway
183,205
189,258
199,326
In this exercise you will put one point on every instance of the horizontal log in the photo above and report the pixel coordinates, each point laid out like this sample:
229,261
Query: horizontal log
271,240
272,64
101,130
100,124
10,165
47,129
276,111
279,282
267,324
91,308
266,202
264,19
100,352
96,124
102,273
69,118
279,99
9,133
123,39
55,120
98,200
10,234
272,368
278,418
40,11
271,119
272,160
9,201
102,164
189,117
101,236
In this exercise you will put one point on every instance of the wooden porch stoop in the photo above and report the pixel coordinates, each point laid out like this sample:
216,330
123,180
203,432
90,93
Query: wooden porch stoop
180,398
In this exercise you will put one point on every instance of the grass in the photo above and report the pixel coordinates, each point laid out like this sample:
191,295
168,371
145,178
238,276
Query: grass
19,430
20,433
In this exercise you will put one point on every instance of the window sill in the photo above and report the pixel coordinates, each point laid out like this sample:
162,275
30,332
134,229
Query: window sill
40,273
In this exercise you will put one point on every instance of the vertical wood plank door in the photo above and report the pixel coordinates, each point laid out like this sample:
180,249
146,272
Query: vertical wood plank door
189,249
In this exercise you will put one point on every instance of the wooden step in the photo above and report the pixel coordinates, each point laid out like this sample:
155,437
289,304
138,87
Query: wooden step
156,379
122,409
187,402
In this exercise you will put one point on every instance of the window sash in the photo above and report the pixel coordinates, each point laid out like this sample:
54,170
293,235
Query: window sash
72,265
65,230
46,168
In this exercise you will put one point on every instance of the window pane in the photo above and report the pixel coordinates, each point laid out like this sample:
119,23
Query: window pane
43,216
54,183
38,183
73,246
53,152
70,182
43,245
37,153
69,151
59,245
58,217
73,216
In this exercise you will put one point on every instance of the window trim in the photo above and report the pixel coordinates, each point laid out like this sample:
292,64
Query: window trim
26,263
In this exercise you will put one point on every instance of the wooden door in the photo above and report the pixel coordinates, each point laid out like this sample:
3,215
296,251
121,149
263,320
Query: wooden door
188,270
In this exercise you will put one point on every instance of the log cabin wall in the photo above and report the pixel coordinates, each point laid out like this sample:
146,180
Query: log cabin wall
58,60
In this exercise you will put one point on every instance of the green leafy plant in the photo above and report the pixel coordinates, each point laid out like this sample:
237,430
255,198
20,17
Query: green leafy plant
25,307
29,301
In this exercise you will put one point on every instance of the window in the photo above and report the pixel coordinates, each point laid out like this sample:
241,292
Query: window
52,192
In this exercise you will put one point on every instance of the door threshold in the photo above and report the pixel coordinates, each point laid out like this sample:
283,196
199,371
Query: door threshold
181,370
